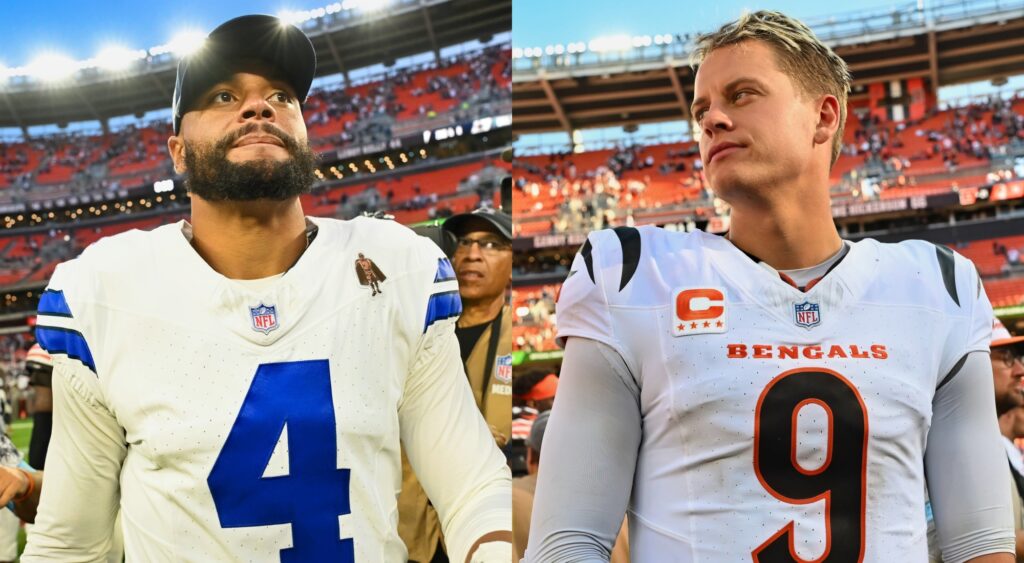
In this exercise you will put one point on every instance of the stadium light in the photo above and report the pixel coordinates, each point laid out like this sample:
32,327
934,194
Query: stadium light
186,42
117,57
51,67
365,5
609,43
642,41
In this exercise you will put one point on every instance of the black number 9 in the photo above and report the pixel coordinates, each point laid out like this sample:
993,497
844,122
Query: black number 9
841,480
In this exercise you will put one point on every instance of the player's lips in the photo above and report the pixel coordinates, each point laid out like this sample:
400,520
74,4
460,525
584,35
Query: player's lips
722,149
258,139
470,275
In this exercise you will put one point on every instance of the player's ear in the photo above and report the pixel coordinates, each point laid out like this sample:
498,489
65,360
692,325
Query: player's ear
828,119
176,148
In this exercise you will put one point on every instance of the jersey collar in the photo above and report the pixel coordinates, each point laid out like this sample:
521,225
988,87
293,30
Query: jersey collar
841,286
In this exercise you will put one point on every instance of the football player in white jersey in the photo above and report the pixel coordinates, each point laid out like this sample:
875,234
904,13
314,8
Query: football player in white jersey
777,394
229,383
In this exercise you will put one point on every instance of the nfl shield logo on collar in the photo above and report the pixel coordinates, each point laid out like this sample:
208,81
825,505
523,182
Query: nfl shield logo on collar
264,318
807,314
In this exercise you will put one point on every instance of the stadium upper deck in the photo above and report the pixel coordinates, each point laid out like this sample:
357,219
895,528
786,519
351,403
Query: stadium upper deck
345,40
898,58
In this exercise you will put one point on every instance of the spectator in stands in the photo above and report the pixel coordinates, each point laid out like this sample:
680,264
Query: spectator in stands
542,395
482,262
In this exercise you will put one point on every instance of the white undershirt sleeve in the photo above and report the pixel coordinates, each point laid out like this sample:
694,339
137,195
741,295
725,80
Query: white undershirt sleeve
967,471
588,458
81,492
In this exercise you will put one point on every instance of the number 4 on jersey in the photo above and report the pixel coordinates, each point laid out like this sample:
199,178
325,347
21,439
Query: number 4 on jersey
315,492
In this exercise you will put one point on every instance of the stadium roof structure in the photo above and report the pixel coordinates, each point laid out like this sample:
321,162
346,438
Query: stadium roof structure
343,43
559,89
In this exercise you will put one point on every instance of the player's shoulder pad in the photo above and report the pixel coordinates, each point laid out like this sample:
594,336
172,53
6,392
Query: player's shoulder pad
615,255
377,237
620,258
123,252
952,280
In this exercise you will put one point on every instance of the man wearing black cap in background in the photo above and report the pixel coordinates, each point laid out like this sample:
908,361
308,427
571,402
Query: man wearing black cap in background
229,384
483,265
482,260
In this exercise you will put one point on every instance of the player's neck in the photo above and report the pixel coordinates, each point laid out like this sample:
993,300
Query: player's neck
249,240
787,238
479,311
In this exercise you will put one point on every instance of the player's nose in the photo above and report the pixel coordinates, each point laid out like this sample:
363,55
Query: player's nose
715,120
257,108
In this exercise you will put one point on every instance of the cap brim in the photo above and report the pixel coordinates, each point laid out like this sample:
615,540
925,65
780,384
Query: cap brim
1006,341
458,222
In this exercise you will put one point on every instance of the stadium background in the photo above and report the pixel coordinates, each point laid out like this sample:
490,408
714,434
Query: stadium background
933,146
410,113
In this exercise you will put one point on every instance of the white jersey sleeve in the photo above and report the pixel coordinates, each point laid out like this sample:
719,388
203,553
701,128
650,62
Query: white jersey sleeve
964,284
79,502
448,443
972,512
583,309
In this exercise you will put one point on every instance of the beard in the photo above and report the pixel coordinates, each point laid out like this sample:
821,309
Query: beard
213,177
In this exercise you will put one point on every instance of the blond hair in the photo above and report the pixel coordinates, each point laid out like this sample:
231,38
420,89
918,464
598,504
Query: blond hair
811,64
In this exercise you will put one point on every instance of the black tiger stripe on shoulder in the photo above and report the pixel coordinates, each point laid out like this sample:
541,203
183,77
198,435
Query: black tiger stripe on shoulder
952,373
947,265
587,252
629,238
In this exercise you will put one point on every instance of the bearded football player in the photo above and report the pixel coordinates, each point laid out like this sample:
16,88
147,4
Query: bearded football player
777,394
226,383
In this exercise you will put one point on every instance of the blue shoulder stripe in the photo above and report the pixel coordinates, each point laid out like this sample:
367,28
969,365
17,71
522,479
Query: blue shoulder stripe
65,341
442,306
445,272
52,303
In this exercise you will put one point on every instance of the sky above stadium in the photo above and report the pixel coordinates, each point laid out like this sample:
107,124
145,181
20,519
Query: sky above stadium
80,29
536,23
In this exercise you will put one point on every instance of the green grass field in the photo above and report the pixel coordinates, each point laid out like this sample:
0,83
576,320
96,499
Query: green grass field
21,431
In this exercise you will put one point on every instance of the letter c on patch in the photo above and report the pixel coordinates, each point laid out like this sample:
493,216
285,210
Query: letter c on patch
699,304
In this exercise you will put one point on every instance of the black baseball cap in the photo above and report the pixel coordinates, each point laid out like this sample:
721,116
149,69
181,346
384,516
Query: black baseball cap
502,221
267,39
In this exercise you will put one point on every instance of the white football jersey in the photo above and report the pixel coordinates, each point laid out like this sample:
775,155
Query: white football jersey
260,422
778,425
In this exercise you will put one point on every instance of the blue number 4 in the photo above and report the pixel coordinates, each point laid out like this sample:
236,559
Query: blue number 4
315,492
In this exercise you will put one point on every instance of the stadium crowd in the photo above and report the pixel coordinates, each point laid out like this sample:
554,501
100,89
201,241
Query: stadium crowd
945,150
